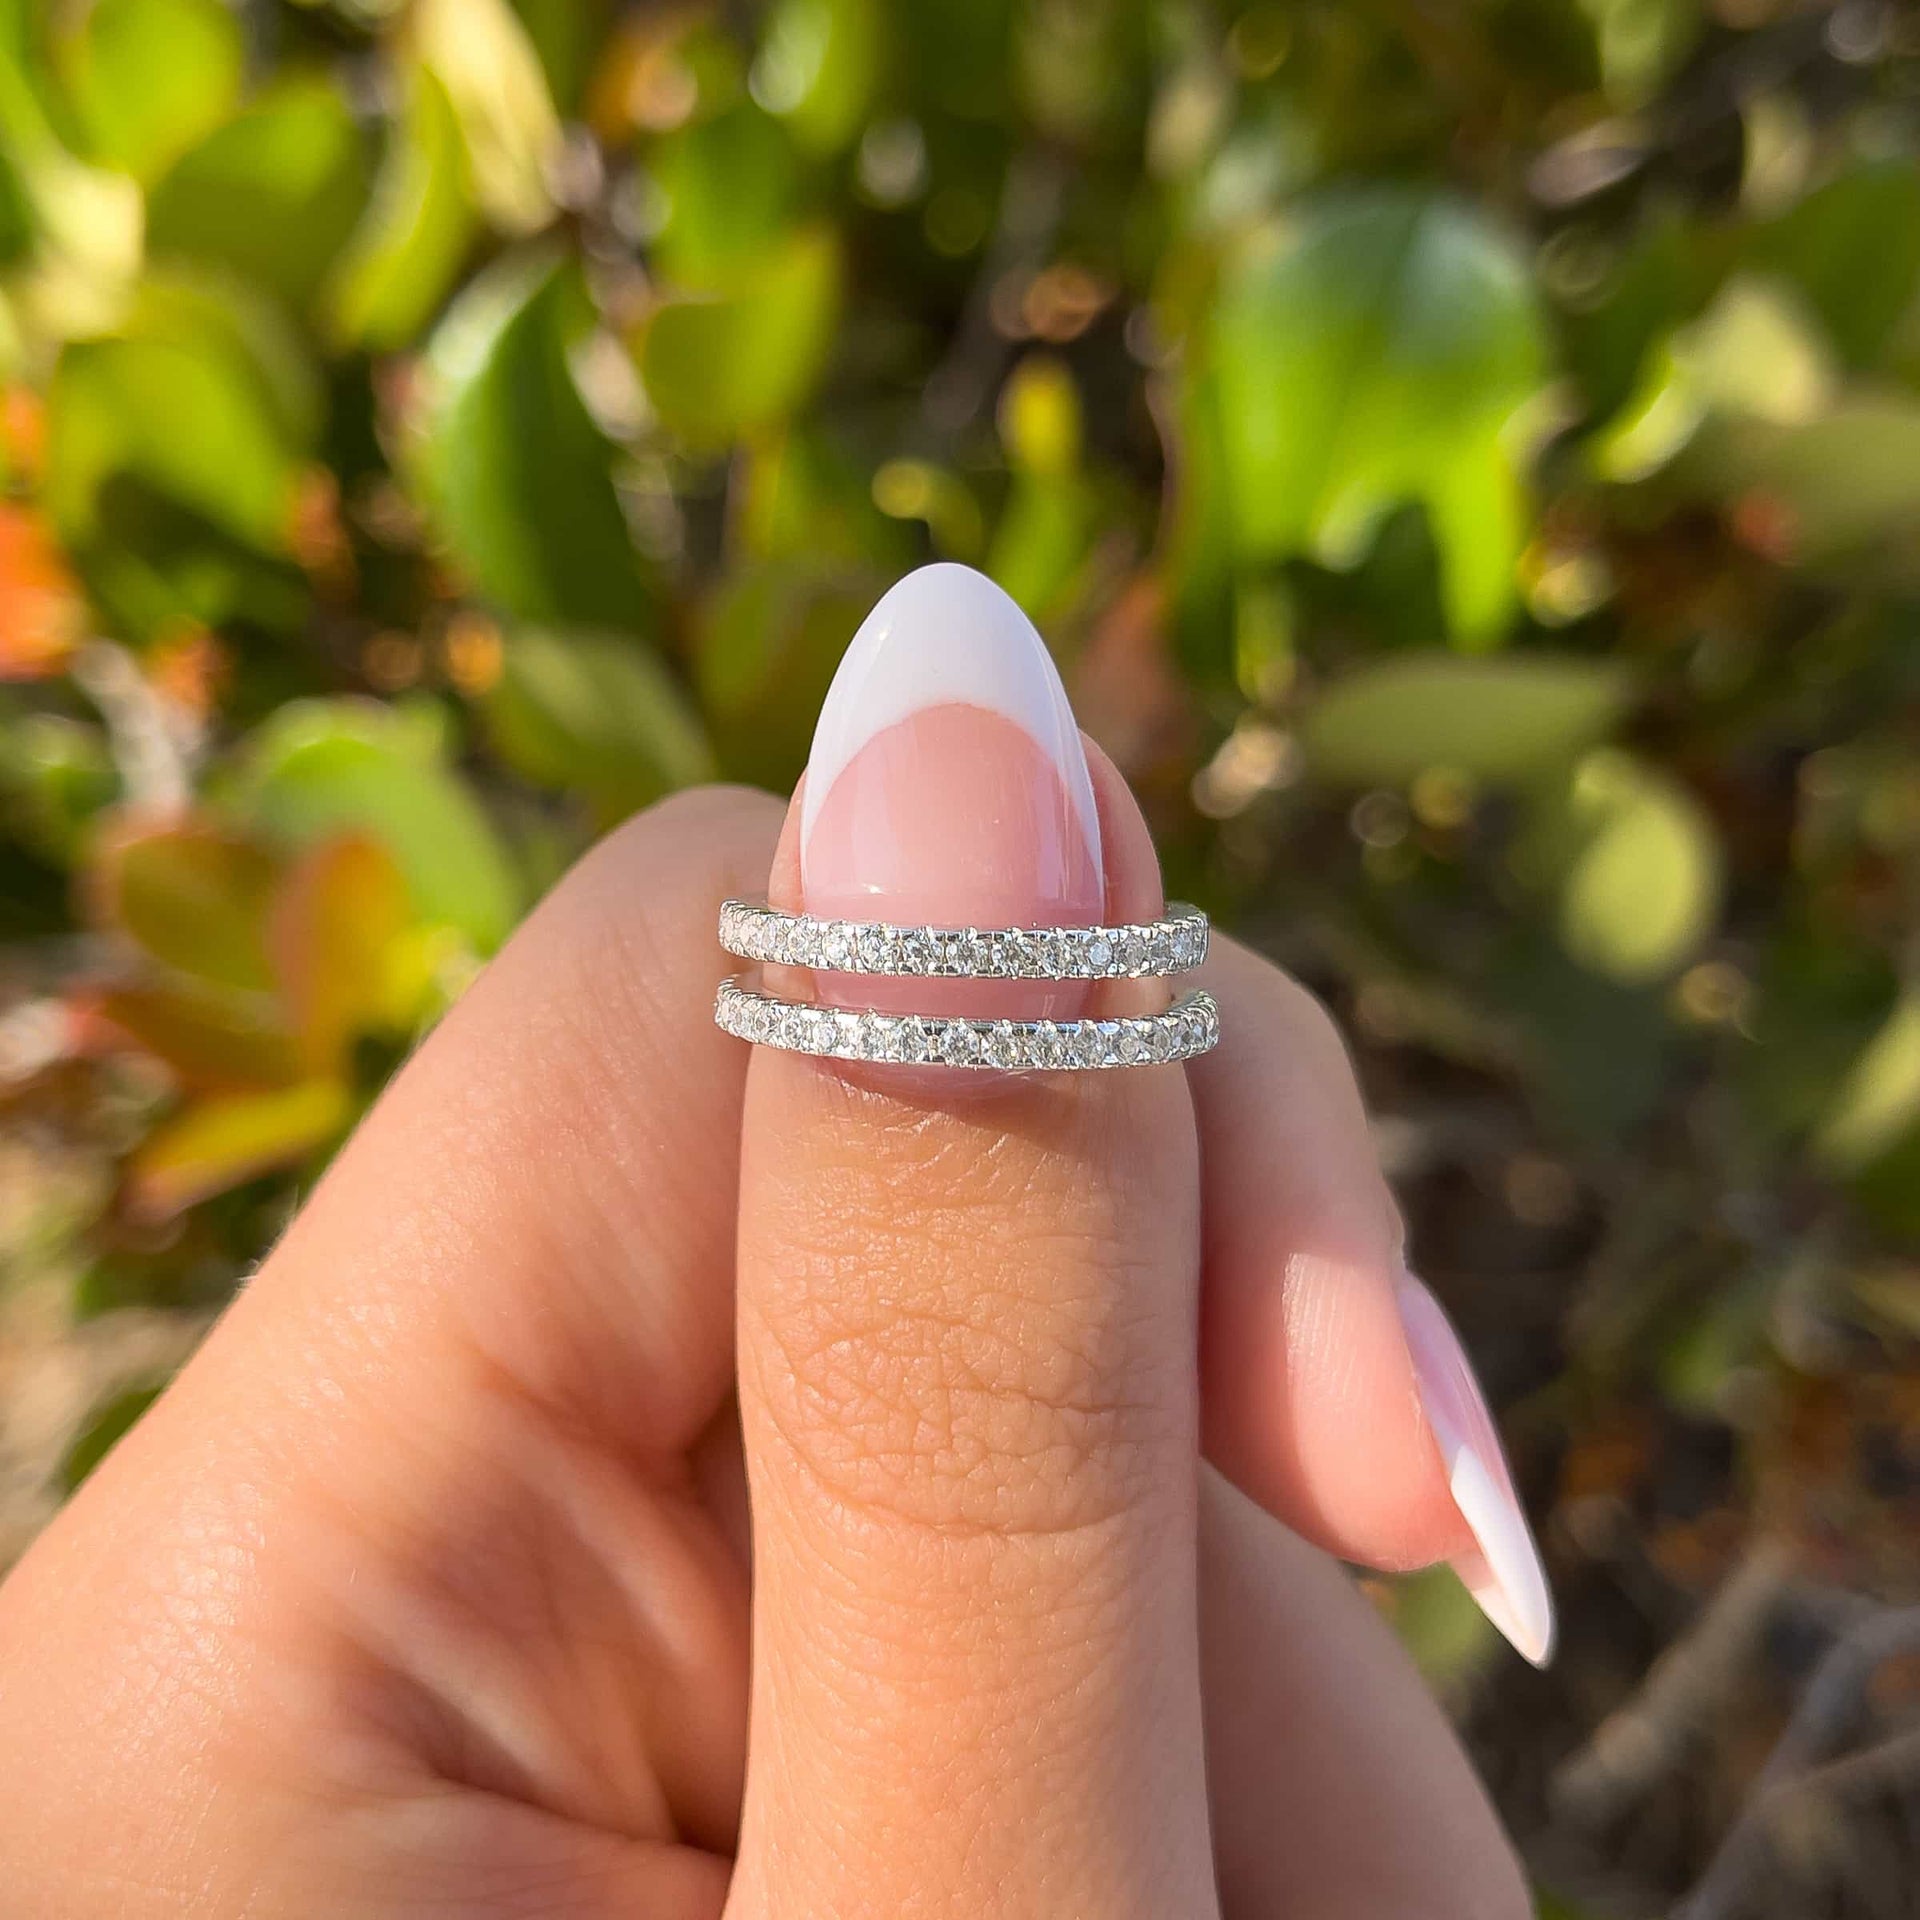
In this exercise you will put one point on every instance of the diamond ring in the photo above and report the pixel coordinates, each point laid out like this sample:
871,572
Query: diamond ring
1189,1027
1175,944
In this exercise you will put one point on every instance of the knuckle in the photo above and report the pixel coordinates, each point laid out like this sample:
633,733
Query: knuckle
984,1342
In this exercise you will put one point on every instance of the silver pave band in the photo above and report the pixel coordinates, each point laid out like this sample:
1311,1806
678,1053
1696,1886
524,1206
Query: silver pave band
1175,944
1191,1026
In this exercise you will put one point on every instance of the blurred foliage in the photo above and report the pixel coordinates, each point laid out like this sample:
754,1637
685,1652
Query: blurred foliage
1466,456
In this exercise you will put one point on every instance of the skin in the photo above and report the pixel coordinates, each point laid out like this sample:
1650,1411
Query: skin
430,1587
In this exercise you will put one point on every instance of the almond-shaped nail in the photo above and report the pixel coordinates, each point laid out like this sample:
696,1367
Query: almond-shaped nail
1506,1576
947,784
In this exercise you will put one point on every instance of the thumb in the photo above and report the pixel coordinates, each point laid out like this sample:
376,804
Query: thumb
967,1367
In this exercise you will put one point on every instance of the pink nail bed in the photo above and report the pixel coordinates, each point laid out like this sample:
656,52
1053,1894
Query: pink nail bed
948,785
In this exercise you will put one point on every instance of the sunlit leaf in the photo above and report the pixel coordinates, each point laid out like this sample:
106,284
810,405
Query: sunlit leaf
403,258
1375,352
1839,494
1879,1098
73,231
1641,43
193,897
1515,719
767,646
338,939
1041,538
148,78
273,194
519,476
596,714
221,1141
730,189
1852,248
480,52
212,1040
201,395
320,768
1447,1634
724,364
818,65
1645,888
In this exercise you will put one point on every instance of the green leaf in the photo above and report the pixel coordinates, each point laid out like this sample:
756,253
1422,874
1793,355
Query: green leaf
597,714
1852,247
1375,352
730,190
1842,490
105,1428
193,897
719,366
223,1141
1879,1099
1641,43
273,194
1041,537
403,258
1503,721
518,476
480,52
818,67
1644,890
148,78
1448,1636
73,232
323,767
202,395
766,648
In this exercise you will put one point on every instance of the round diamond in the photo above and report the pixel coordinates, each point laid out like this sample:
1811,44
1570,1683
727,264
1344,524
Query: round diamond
959,1045
836,947
1100,953
1133,1047
1005,1046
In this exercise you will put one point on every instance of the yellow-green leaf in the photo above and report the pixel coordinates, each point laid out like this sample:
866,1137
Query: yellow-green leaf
223,1141
720,365
1511,720
1644,890
1375,351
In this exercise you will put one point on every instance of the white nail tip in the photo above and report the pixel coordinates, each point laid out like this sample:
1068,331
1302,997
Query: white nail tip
946,635
1512,1590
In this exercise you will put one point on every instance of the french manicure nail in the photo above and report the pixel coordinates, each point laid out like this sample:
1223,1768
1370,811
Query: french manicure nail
947,784
1505,1576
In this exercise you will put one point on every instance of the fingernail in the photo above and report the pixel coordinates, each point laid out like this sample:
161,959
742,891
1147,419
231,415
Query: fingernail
947,784
1505,1576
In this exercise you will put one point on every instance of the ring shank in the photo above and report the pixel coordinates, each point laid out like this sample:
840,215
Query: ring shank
1188,1028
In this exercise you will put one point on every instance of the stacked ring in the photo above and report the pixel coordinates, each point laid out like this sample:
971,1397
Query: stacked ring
1177,943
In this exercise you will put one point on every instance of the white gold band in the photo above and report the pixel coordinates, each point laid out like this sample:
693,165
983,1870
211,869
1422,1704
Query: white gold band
1191,1026
1175,944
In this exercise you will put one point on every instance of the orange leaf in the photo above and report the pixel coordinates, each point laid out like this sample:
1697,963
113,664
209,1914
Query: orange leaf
219,1143
42,614
194,897
332,935
213,1041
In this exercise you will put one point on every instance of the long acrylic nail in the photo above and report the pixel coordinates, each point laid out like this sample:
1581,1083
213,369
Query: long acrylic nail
1505,1576
947,784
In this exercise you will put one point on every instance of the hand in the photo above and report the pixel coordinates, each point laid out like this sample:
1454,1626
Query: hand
427,1587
